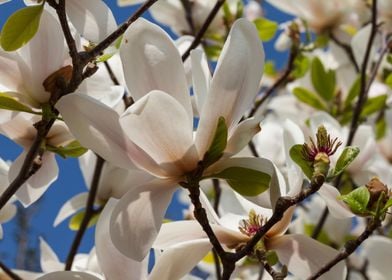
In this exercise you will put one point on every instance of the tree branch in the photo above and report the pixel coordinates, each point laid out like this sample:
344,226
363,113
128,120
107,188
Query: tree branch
9,272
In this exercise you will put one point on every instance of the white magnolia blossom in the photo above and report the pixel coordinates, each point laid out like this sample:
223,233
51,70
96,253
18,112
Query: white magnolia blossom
145,134
9,210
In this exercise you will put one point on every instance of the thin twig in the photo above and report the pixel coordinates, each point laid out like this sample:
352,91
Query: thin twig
9,272
347,48
349,248
89,213
203,29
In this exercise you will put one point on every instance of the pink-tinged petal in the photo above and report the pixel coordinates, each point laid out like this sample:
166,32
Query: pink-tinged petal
336,207
68,275
10,75
93,20
59,135
8,211
242,134
304,256
281,227
44,54
234,84
37,184
115,265
49,260
97,127
159,125
151,61
182,44
20,129
378,250
211,214
178,260
201,77
277,184
137,218
71,207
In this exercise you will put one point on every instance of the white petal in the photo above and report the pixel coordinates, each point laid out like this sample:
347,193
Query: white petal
178,260
37,184
93,20
71,207
10,75
378,250
201,77
304,256
242,134
44,54
235,82
115,265
171,13
151,61
336,207
8,212
20,129
68,275
359,44
49,260
97,127
137,218
159,125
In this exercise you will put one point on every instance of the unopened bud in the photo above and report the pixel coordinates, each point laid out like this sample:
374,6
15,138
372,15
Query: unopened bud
377,189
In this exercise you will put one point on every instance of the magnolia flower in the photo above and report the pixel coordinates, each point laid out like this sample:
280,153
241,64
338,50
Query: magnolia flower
21,130
302,255
156,133
9,210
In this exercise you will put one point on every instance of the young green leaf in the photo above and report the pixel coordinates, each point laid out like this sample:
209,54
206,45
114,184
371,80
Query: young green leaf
266,28
388,80
76,220
357,200
271,257
218,145
381,128
301,66
353,92
374,105
323,81
20,27
7,102
73,149
309,98
297,157
346,158
245,181
387,204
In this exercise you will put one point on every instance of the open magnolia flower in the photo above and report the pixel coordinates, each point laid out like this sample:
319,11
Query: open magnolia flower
156,133
302,255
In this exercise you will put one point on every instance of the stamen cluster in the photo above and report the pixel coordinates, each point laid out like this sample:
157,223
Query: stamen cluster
250,226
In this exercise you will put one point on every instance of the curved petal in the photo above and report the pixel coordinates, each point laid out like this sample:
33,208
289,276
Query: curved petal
38,183
242,134
378,249
115,265
71,207
304,256
137,218
97,127
360,41
68,275
336,207
10,75
93,20
201,77
171,13
178,260
44,54
49,260
150,124
151,61
234,84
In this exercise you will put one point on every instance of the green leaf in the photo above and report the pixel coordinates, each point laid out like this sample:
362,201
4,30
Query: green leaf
374,105
76,220
346,158
218,145
269,68
301,66
245,181
357,200
20,27
381,128
322,237
309,98
323,81
296,156
213,51
73,149
388,204
266,28
321,41
353,92
7,102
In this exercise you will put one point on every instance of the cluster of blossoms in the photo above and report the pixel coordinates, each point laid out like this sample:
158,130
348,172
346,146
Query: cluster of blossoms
208,122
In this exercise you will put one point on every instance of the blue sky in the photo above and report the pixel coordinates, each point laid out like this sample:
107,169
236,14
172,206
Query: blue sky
70,181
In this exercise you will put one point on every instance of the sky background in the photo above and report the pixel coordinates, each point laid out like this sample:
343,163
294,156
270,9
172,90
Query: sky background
70,181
